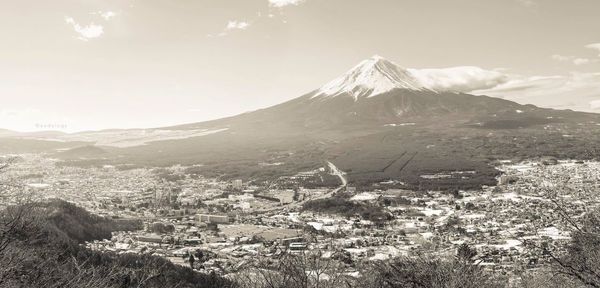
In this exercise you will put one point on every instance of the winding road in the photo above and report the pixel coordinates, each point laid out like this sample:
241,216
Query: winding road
337,172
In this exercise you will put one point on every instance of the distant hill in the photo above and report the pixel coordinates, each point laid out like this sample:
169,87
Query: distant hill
5,133
16,144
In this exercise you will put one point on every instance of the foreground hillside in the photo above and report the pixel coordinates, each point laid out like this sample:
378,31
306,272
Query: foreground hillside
39,247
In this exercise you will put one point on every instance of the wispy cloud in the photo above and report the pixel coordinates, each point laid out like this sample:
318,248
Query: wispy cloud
576,90
582,61
283,3
561,58
240,25
231,26
594,46
107,15
527,3
573,59
86,32
595,104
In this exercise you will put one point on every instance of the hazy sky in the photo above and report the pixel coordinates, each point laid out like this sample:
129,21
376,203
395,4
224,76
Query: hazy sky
95,64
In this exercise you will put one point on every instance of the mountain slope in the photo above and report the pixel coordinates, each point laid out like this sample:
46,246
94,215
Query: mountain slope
377,122
378,92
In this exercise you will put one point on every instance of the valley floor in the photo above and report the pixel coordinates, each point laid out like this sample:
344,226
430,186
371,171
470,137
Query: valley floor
230,225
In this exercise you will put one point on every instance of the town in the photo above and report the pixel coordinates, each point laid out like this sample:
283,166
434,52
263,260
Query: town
226,225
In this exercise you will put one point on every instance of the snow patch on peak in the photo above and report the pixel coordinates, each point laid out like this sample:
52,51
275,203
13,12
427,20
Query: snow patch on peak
371,77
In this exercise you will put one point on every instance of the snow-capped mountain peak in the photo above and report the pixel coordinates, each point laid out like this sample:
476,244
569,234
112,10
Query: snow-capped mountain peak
371,77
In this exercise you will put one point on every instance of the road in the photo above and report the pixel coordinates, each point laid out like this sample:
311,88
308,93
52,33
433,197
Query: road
335,171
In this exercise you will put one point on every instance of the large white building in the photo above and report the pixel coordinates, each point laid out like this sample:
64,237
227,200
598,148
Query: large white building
214,219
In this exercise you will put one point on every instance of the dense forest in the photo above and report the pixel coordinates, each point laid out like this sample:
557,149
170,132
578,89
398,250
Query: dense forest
344,207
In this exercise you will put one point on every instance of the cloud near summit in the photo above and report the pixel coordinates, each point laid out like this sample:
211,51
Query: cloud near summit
459,79
576,90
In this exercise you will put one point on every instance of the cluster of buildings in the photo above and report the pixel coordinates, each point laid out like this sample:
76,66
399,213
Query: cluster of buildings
228,224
